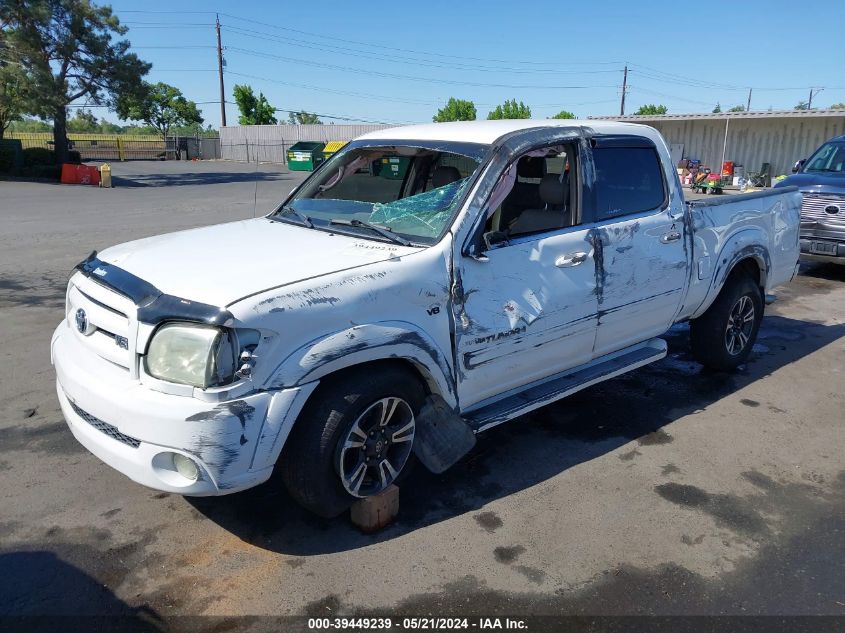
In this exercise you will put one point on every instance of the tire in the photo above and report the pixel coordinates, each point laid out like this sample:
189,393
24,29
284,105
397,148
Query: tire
722,337
322,459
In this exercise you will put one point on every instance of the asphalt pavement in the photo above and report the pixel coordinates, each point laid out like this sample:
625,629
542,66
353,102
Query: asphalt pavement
670,490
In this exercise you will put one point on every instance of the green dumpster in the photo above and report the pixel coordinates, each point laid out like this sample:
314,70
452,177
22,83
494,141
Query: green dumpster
392,167
305,156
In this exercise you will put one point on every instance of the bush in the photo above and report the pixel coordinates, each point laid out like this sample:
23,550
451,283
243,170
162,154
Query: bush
38,156
74,157
47,172
7,158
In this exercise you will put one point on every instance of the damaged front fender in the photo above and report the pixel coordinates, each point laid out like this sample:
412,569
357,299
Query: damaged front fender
367,343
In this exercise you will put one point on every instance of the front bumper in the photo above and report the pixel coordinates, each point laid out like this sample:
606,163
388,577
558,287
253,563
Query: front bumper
135,429
809,253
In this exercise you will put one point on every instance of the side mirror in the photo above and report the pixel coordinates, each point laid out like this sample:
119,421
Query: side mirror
494,239
797,166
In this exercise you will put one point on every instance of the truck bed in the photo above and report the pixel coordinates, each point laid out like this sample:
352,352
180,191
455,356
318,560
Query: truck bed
731,227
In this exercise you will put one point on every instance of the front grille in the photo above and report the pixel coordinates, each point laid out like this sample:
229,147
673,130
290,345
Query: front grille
110,330
814,205
106,428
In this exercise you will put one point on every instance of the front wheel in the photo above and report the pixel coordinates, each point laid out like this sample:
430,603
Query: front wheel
354,438
722,337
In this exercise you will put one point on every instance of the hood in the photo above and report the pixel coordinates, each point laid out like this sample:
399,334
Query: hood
820,182
220,264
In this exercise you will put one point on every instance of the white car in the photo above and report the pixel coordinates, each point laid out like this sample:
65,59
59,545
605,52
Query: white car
424,284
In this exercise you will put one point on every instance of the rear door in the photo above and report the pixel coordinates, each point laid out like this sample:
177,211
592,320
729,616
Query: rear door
643,264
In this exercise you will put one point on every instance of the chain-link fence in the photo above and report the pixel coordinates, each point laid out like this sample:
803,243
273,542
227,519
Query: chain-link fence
118,147
256,151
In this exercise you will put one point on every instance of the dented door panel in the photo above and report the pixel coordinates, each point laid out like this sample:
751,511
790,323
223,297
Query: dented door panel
645,268
519,317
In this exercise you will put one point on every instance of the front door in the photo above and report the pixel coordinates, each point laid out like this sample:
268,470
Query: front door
526,309
527,312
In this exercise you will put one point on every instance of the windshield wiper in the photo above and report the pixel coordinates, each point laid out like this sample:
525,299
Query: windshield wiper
303,218
381,230
826,169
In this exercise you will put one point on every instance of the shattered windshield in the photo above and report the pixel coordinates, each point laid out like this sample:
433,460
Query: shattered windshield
409,191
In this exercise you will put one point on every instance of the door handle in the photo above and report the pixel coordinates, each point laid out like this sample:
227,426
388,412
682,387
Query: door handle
571,259
671,236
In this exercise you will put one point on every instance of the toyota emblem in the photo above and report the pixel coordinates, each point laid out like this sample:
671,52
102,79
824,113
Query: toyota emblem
832,209
82,321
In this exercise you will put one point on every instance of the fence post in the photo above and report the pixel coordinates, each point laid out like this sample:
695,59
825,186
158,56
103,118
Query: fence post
120,154
247,150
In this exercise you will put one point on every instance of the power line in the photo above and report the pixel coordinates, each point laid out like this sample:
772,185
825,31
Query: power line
345,117
353,52
323,37
374,73
332,90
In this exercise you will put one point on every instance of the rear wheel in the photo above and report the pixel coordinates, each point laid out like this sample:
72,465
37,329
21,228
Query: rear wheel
722,338
354,438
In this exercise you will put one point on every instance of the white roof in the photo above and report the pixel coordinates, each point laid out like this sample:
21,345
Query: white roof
487,132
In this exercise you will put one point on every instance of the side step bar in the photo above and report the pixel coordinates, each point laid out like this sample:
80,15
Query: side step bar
562,385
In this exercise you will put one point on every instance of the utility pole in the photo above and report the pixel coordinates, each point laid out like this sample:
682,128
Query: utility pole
748,107
813,92
220,73
624,90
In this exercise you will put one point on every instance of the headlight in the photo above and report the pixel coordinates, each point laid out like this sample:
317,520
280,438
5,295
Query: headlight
190,354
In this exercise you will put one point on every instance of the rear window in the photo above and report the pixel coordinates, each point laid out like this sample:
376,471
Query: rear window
628,180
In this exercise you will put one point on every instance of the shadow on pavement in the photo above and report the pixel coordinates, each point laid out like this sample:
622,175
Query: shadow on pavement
532,449
196,178
829,272
39,591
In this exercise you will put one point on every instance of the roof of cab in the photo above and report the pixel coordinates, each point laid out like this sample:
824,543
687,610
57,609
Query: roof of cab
488,132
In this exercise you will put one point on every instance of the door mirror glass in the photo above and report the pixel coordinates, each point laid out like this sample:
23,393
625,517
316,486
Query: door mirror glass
797,166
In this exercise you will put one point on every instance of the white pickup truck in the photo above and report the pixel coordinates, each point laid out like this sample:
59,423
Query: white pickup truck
424,284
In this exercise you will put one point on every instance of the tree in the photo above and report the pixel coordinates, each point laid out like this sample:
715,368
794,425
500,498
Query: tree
159,105
13,93
254,110
652,109
564,114
83,121
67,50
510,109
456,110
303,118
737,108
802,105
838,106
718,108
27,124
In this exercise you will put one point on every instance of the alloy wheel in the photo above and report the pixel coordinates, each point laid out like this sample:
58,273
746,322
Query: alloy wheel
740,325
377,447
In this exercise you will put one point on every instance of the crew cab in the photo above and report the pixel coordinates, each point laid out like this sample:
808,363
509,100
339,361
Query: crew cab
424,284
821,180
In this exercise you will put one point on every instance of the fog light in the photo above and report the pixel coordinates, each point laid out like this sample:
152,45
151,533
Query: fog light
186,467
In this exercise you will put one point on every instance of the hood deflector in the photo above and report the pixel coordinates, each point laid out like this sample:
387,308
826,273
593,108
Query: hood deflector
153,305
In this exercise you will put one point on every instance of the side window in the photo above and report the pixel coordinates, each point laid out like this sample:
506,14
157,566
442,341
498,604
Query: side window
542,195
628,180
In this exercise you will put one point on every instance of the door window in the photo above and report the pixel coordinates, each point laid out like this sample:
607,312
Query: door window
628,180
541,197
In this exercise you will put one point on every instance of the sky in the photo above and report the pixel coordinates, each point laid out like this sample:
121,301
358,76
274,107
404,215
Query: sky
398,62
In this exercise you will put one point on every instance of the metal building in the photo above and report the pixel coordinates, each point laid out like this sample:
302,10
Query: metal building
746,138
269,143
